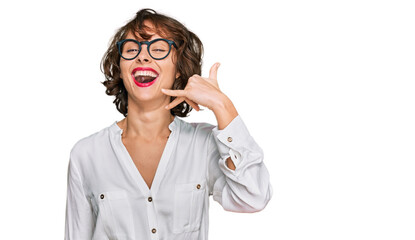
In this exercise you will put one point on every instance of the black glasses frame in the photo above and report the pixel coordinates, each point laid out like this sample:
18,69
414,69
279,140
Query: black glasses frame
148,43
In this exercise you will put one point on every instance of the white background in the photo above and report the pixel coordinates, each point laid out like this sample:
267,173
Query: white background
326,88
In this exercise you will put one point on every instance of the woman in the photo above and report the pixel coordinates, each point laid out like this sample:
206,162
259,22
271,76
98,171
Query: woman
150,175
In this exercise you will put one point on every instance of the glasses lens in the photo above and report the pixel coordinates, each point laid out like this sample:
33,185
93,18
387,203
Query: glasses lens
159,49
129,49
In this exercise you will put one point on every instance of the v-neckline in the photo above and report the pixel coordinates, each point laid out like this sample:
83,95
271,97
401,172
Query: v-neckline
126,158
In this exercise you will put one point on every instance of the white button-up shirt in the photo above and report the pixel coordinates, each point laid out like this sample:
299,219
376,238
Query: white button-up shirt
107,198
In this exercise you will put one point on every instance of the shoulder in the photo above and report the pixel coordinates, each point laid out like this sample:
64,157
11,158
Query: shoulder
88,144
202,128
197,133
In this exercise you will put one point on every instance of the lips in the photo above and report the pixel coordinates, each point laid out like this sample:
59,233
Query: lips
144,77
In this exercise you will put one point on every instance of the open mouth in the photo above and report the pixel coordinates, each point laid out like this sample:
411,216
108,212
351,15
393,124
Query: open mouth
144,77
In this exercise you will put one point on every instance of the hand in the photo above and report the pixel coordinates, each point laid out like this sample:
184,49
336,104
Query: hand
199,90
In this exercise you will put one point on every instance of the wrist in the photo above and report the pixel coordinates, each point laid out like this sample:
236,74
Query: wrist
222,102
224,111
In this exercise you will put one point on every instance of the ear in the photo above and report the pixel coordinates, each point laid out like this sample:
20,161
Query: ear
177,75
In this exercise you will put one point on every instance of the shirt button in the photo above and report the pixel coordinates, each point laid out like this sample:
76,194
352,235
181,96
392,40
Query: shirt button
198,186
229,139
102,196
150,199
153,230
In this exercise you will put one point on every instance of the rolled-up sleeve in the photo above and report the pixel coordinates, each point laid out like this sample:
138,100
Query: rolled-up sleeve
79,220
247,188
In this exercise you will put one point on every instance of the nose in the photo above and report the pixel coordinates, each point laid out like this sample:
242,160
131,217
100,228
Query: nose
143,56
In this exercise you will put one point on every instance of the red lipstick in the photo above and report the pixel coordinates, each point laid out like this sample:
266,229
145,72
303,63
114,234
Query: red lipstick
141,73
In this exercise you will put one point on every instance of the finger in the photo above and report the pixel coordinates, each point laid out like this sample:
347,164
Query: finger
179,100
193,104
176,93
175,102
214,71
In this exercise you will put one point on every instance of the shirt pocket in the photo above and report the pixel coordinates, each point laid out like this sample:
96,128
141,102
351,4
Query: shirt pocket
114,214
189,199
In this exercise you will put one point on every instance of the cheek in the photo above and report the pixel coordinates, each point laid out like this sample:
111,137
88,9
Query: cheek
125,69
173,62
169,70
172,74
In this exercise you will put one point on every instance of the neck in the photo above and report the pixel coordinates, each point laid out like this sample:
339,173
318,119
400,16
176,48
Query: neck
145,122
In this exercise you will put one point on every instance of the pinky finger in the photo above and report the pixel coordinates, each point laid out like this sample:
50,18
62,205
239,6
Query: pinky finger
193,104
175,102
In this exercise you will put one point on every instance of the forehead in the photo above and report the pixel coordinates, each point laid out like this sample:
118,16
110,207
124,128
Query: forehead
137,36
149,30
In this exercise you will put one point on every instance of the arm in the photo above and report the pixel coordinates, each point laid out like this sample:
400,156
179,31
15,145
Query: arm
242,183
247,187
225,112
79,219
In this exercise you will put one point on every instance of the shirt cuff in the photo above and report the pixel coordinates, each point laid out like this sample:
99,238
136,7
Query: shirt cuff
232,139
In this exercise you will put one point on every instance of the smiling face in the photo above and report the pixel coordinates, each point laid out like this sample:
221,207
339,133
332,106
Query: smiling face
144,77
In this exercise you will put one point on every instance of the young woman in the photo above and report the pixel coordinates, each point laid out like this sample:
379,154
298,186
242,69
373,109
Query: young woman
150,175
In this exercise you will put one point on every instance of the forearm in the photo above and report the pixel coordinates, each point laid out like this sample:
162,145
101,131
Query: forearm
225,112
247,187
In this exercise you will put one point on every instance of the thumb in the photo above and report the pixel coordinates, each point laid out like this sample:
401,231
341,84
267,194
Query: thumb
213,73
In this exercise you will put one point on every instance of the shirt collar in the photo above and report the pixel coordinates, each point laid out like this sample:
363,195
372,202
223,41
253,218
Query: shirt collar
172,126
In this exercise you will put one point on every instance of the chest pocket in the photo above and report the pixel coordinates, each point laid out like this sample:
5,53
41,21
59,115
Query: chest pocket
189,199
114,214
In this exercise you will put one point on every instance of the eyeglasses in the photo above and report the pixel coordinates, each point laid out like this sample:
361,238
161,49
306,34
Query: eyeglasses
158,48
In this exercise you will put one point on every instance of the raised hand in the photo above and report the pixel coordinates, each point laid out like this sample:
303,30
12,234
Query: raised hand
199,90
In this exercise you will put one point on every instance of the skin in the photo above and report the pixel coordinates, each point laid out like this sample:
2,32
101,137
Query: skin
149,107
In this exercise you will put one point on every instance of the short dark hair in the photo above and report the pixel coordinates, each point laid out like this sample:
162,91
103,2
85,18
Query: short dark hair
189,56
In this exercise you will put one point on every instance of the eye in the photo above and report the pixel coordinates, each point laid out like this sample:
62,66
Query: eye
158,50
132,50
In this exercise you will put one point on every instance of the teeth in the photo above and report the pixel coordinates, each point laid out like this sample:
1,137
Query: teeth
145,74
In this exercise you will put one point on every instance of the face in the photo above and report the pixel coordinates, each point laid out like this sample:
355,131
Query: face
144,77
